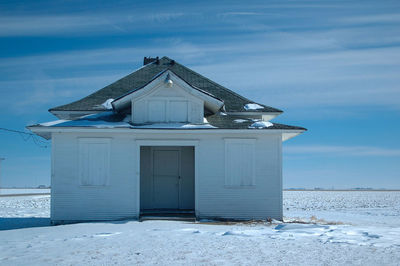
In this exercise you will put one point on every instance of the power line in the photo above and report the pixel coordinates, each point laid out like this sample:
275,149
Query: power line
16,131
27,136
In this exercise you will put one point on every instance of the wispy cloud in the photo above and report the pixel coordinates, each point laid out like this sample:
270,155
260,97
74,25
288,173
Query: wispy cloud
271,53
371,19
67,24
312,78
341,150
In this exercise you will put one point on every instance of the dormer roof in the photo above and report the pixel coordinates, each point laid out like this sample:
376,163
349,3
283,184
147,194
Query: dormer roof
210,101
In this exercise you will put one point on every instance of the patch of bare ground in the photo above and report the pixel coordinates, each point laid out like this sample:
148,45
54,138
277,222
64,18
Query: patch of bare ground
313,220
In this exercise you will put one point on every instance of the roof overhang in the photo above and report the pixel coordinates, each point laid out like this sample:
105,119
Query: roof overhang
46,132
210,102
265,116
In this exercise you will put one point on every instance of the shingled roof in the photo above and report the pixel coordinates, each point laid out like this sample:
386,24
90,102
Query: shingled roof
233,101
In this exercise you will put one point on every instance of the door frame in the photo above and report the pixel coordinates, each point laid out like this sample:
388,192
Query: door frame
165,142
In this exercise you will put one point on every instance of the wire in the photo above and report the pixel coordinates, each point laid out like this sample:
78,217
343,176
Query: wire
16,131
27,136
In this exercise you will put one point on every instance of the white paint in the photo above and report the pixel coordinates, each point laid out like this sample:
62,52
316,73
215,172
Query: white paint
94,161
121,198
239,163
46,131
163,104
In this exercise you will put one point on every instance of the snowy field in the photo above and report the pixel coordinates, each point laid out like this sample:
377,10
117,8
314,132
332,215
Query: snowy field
321,228
8,191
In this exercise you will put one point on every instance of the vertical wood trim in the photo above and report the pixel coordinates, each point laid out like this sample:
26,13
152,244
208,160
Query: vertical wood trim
151,165
138,174
189,111
196,181
279,153
180,176
52,176
167,118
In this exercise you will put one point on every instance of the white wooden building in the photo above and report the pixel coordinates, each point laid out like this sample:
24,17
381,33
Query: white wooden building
165,138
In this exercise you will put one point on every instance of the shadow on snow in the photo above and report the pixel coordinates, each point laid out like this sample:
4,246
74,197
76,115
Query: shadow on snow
19,223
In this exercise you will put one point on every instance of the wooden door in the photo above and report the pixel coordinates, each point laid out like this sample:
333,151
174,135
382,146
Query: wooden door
166,174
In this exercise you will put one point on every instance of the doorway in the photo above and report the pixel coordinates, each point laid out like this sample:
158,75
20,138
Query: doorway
166,179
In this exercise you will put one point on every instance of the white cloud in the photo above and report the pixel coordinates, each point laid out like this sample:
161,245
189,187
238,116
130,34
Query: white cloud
367,77
113,22
370,19
299,68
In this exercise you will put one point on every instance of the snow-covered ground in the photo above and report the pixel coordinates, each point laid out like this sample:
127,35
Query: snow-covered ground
351,207
332,237
8,191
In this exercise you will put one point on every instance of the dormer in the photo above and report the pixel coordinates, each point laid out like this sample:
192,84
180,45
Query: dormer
167,99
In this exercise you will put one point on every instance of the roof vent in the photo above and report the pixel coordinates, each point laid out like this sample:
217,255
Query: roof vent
148,60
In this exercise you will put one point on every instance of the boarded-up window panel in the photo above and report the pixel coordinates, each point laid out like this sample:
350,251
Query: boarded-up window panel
94,162
239,162
157,111
178,111
139,111
197,113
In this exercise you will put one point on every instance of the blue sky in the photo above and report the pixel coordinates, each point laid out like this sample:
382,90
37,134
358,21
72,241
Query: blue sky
332,66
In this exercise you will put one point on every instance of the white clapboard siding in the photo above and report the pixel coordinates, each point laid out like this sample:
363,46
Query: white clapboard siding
214,197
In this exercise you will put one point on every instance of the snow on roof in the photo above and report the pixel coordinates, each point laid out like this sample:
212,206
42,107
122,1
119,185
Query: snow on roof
52,123
109,119
174,126
107,104
261,124
252,106
239,120
106,119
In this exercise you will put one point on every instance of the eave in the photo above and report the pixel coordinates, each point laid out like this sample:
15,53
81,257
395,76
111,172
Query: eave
46,132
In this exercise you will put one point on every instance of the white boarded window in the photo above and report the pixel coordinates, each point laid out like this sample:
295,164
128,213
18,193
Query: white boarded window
239,162
94,161
178,111
157,110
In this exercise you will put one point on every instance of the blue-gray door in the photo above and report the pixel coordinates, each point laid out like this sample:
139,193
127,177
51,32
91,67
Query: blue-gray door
166,177
166,174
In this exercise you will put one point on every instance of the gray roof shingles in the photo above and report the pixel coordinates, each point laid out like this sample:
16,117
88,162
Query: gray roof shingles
233,101
238,122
